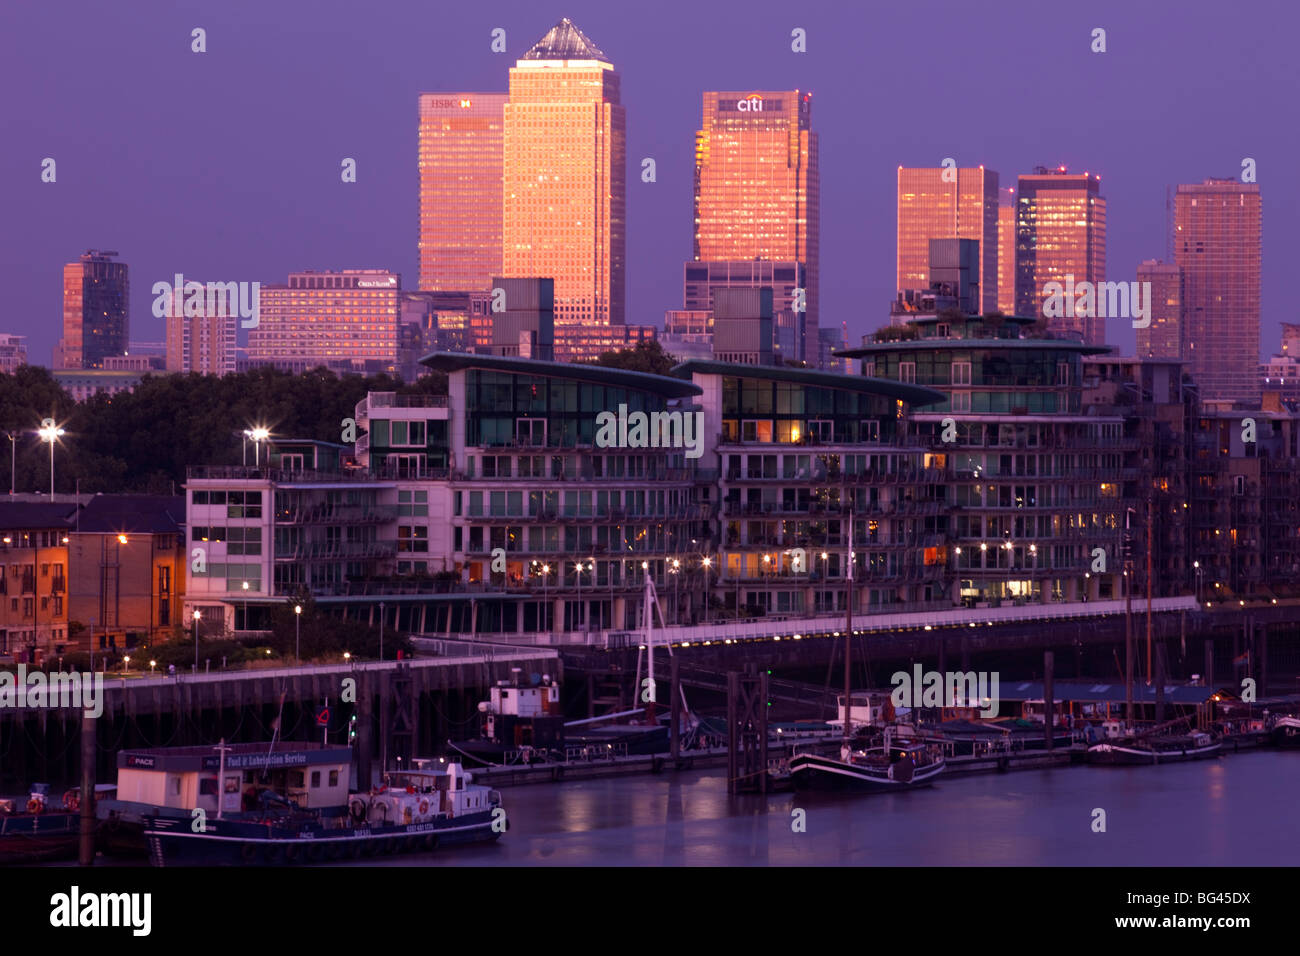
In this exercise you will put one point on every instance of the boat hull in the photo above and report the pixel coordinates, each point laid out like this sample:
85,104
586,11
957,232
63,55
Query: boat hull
241,843
27,838
815,772
1124,755
1286,736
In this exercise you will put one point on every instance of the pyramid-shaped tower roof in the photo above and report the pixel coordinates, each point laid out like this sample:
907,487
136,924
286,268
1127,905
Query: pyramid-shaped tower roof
565,41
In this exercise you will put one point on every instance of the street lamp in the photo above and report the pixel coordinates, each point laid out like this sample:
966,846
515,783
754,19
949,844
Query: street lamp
13,458
246,605
1199,571
258,434
152,666
50,432
126,663
707,563
197,615
297,633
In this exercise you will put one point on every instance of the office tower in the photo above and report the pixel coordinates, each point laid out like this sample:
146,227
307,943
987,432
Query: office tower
1007,250
565,177
345,321
1060,232
757,186
1163,338
201,343
702,280
13,352
743,327
930,208
1217,243
461,165
96,311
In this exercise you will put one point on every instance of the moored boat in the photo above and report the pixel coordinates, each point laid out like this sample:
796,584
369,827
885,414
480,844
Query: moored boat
1144,751
42,830
1285,731
894,766
416,810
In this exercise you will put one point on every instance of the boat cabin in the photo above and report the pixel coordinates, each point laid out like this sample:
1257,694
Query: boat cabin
519,715
312,776
867,709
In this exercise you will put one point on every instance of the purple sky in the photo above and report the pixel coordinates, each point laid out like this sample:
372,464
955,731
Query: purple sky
225,165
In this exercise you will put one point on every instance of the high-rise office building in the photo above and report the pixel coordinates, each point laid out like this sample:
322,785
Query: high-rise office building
1163,338
346,321
462,145
565,193
13,352
757,185
1007,250
96,311
1060,232
1217,229
929,207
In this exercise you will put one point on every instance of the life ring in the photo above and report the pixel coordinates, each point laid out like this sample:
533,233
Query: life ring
424,807
35,806
71,801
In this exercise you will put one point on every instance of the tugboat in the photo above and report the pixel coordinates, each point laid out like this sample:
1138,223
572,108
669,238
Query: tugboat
43,831
1285,731
416,810
1144,751
521,722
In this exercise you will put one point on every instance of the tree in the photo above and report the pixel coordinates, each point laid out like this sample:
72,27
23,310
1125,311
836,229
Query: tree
648,356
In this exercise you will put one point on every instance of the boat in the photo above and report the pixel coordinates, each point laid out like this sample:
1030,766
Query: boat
42,830
895,765
521,723
419,810
1137,750
1285,731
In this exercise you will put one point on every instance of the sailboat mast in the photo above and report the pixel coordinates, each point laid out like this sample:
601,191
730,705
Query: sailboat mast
848,628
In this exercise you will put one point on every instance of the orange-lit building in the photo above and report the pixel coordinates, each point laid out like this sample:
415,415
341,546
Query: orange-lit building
96,311
461,170
757,185
1217,243
1007,251
1163,338
346,321
33,578
1060,232
931,208
565,192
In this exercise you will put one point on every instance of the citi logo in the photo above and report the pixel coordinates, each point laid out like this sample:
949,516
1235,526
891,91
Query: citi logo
750,104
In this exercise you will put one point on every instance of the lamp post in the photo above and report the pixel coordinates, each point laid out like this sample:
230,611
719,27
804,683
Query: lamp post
707,563
297,633
245,606
50,432
13,458
1199,571
677,604
197,615
259,434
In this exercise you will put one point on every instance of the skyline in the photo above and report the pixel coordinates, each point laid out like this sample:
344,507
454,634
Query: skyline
273,209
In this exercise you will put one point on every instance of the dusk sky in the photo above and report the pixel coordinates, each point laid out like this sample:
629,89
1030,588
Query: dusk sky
226,165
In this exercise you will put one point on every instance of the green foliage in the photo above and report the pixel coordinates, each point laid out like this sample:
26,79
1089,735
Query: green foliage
326,637
648,356
143,441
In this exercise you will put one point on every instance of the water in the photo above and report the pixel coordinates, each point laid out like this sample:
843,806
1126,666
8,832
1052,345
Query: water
1238,810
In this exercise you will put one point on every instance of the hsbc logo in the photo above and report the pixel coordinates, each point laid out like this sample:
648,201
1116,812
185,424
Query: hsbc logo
750,104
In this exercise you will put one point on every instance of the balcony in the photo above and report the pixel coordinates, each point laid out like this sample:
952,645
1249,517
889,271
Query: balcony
330,551
326,514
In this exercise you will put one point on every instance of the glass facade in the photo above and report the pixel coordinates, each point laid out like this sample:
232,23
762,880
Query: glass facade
565,178
462,137
757,185
96,311
346,321
930,208
1217,243
1060,231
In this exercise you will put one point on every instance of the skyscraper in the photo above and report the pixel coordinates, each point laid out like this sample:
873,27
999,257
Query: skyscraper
1007,250
96,311
461,168
1163,338
931,208
200,343
565,194
1217,229
1060,231
757,186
